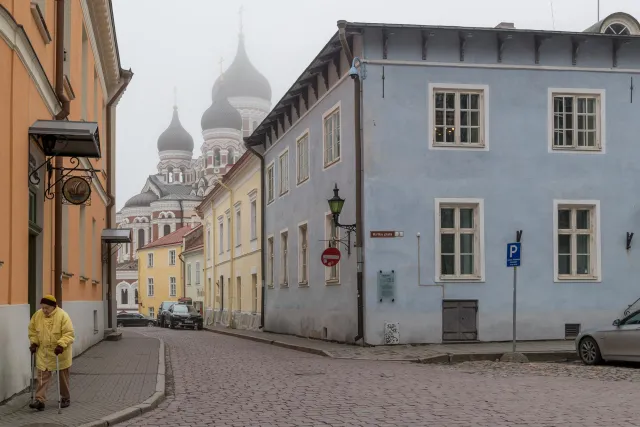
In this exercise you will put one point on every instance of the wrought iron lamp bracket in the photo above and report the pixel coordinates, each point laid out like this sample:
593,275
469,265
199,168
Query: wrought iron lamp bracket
113,251
349,228
34,178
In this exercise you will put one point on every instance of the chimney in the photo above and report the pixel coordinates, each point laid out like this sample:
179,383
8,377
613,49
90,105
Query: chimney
506,25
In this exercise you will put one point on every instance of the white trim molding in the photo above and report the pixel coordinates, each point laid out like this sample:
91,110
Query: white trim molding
479,248
305,134
595,242
335,107
303,283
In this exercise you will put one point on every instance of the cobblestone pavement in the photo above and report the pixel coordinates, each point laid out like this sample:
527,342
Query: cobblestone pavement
226,381
107,378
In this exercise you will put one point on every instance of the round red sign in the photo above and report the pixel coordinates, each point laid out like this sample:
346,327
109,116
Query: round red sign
330,257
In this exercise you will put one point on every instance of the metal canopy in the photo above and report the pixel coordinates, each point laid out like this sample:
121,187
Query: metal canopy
67,138
116,235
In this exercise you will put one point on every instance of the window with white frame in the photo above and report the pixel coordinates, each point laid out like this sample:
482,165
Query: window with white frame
228,231
284,173
270,184
152,313
459,240
209,243
332,274
302,166
577,240
332,137
238,227
197,273
172,287
284,265
150,287
172,257
254,220
220,234
270,253
149,260
576,121
303,255
458,117
189,274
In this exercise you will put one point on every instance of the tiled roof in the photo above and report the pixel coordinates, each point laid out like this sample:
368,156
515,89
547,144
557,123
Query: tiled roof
174,238
128,266
194,239
188,197
167,189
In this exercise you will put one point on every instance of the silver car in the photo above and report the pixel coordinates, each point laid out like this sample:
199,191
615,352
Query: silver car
620,341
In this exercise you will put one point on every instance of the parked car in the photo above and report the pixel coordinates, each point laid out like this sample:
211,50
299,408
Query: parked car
134,319
183,316
616,342
164,306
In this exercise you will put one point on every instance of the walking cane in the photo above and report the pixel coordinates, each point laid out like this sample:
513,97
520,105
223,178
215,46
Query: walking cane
58,372
33,364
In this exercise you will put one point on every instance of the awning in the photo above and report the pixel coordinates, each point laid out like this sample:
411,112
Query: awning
66,138
116,235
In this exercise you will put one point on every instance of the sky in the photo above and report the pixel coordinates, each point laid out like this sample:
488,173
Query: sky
179,44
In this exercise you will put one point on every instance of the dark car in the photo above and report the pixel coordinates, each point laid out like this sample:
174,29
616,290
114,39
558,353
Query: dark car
162,313
134,319
184,316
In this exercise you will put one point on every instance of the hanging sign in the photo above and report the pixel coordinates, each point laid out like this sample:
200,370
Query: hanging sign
76,190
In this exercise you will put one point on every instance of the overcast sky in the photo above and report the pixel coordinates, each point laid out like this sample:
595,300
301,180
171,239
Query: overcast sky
179,43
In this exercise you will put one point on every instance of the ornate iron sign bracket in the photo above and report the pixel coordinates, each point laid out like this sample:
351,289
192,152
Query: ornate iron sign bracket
34,177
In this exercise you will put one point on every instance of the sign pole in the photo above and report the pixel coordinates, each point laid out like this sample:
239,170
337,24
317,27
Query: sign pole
515,279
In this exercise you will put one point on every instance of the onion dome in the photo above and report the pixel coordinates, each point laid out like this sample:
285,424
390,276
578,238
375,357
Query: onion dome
221,114
175,137
141,200
243,79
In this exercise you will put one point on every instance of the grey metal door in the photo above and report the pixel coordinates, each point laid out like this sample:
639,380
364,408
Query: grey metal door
459,320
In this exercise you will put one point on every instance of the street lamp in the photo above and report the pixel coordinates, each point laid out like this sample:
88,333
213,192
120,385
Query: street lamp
335,206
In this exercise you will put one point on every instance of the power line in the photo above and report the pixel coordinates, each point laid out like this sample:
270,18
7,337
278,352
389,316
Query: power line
553,19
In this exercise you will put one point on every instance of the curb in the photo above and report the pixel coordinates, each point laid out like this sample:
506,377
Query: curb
141,408
537,356
272,342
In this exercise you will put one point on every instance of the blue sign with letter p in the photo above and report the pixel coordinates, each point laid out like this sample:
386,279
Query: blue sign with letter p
513,254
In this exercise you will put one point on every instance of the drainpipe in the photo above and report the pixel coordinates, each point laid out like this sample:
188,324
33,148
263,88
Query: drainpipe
357,93
184,277
58,162
232,244
181,214
262,233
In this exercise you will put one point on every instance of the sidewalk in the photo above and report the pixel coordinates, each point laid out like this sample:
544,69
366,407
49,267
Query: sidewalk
107,379
432,353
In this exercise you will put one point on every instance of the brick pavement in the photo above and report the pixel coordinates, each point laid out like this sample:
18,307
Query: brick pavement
107,378
226,381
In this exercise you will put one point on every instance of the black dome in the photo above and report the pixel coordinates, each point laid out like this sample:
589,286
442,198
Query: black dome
175,137
243,79
221,114
141,200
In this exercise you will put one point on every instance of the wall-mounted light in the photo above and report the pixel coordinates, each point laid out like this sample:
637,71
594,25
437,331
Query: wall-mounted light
335,206
629,238
1,264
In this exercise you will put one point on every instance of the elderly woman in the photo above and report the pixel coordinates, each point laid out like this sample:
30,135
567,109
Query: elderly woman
51,334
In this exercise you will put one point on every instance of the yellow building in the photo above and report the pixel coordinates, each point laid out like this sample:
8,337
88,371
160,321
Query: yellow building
60,72
232,233
161,272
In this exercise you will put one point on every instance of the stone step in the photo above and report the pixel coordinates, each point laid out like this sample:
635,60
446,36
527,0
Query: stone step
114,336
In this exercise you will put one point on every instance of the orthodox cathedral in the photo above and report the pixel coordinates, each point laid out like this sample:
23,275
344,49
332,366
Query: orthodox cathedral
240,100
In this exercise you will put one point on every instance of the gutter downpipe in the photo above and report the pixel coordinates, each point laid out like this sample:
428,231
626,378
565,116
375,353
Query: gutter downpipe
262,234
127,76
231,252
58,162
357,93
184,277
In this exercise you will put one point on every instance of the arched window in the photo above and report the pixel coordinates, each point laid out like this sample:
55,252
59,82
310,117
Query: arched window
209,158
181,176
141,241
617,29
136,295
170,175
231,157
167,229
124,297
216,157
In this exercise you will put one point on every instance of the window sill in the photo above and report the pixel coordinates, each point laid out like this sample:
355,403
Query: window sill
577,279
459,146
302,181
84,279
95,282
270,201
284,286
303,284
332,282
461,279
597,150
67,275
284,193
271,286
331,163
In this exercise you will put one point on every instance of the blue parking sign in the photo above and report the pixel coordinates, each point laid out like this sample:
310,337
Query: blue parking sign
513,254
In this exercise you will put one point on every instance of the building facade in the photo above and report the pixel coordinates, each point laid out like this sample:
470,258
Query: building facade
39,82
231,228
193,259
469,135
161,272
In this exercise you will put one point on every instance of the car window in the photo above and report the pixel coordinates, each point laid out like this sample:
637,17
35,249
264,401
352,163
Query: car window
181,308
634,319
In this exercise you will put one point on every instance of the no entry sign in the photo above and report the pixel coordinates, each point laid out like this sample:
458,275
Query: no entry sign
330,257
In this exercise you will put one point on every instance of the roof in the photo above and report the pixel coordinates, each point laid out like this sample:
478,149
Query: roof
178,197
221,114
175,137
166,189
128,266
142,199
226,177
172,239
194,239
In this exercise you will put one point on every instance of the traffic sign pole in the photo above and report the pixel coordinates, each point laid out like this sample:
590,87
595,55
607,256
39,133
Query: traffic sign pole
515,281
514,256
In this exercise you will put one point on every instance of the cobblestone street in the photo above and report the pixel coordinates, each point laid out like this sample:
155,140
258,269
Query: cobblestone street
225,381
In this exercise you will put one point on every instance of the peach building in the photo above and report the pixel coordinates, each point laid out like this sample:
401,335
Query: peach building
60,73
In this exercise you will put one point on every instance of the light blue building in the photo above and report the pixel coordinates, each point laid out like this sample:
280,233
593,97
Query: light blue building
468,135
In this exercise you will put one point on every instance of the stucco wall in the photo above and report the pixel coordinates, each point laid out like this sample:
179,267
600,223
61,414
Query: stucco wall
517,178
299,310
87,332
15,370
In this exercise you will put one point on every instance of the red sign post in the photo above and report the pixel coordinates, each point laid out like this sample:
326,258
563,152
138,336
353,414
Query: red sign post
330,257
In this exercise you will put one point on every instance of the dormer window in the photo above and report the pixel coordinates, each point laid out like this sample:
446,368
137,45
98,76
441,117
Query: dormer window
617,28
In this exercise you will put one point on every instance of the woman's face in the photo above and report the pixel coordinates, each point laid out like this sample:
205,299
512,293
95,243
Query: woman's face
46,309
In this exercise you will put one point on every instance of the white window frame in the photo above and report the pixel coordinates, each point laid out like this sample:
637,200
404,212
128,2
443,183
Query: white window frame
271,182
197,273
596,244
479,248
229,231
271,250
151,287
189,274
284,258
328,221
303,254
254,219
209,243
283,182
327,163
483,121
302,155
173,286
172,257
150,260
220,235
152,312
238,225
600,95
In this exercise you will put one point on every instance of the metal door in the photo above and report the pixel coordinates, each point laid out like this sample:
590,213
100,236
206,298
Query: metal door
459,320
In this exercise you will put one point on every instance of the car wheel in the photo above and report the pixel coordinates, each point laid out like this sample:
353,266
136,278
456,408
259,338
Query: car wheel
589,351
150,323
120,325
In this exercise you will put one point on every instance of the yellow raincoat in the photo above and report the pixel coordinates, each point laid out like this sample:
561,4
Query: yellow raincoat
49,332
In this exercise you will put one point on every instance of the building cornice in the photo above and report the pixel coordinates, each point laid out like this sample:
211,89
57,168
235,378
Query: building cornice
103,31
